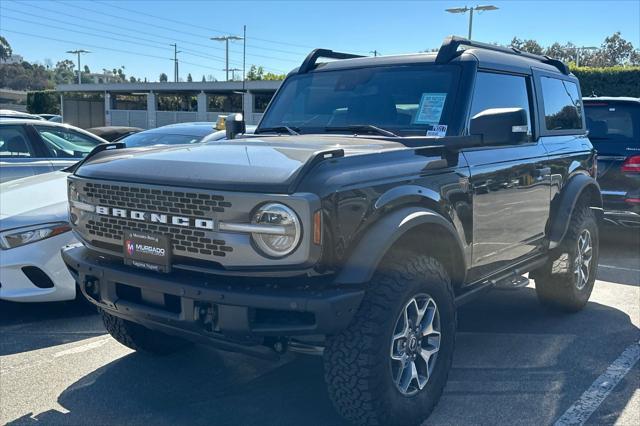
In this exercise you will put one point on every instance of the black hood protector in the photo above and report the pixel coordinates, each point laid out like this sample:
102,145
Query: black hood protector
270,164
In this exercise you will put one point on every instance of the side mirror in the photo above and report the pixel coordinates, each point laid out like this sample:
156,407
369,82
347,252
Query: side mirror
234,124
500,126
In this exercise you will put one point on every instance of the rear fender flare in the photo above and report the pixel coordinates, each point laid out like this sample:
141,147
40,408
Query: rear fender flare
564,205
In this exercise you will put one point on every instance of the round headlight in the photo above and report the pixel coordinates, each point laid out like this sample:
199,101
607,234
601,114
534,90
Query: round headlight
285,235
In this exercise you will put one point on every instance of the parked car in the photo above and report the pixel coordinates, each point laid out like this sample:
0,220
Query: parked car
614,130
114,133
56,118
172,134
8,114
376,196
31,147
34,226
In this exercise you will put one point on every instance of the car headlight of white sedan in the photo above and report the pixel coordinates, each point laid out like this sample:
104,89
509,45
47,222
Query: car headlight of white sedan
17,237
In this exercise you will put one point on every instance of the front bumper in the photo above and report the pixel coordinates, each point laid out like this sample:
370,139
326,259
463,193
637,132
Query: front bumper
43,255
201,305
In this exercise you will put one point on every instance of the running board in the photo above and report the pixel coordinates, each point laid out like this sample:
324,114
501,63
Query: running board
511,279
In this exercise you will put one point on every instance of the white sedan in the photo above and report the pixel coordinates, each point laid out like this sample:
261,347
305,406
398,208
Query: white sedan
33,228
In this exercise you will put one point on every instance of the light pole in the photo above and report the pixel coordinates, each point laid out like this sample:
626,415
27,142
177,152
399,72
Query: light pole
470,10
226,41
78,52
175,61
233,72
579,49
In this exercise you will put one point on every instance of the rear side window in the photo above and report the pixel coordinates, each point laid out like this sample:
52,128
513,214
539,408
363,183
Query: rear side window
500,91
14,143
66,143
562,104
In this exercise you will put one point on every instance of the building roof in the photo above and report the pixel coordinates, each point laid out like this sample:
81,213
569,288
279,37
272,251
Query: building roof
208,86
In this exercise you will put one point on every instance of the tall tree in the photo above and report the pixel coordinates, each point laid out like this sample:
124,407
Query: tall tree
163,78
189,78
5,49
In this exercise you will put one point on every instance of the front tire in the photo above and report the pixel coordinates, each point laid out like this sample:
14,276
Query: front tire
140,338
565,282
390,365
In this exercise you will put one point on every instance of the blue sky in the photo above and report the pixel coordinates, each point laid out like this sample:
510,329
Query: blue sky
137,34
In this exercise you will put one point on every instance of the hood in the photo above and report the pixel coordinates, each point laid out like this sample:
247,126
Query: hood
260,164
33,200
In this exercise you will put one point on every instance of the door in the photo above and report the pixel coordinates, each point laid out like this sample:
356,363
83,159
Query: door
510,183
18,156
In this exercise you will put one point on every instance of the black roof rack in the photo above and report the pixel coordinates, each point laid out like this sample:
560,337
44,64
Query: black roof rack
310,61
450,45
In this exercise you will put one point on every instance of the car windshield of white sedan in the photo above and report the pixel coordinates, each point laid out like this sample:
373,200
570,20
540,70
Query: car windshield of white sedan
405,100
67,144
152,138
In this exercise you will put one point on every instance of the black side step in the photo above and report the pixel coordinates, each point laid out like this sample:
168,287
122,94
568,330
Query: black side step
510,279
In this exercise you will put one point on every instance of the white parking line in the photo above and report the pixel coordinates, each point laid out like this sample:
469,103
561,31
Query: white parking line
591,399
81,348
618,267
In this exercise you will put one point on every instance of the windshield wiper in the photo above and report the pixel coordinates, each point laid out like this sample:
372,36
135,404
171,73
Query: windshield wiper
362,128
279,129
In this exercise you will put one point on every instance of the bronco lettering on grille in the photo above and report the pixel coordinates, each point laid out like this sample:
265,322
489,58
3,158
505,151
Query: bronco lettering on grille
184,221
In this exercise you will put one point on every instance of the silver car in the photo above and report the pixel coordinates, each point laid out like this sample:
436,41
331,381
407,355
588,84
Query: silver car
31,147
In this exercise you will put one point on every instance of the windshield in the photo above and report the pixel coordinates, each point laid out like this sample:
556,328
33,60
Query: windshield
406,100
152,138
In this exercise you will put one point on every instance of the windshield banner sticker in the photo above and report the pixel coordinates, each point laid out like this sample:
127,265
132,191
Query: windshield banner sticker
439,131
430,108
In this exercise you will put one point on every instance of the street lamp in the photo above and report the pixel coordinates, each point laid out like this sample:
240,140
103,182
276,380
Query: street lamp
470,10
578,49
78,52
226,41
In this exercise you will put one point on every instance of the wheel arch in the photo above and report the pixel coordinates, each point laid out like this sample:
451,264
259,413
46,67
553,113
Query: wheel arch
413,228
580,187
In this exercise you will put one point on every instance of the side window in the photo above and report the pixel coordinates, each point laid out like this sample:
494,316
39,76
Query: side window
66,143
562,104
14,143
500,91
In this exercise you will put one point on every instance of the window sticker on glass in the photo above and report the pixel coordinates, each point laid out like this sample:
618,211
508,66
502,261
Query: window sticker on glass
430,108
438,130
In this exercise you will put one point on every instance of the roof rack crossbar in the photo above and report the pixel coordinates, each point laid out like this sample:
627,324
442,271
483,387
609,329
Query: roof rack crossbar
450,46
310,61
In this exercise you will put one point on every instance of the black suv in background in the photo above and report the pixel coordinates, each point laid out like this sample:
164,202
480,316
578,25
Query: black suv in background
614,130
376,196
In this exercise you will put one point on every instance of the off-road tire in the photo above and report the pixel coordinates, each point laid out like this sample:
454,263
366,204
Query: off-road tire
556,283
357,361
140,338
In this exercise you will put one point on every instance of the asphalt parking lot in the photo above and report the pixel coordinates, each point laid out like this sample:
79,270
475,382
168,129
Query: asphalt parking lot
515,363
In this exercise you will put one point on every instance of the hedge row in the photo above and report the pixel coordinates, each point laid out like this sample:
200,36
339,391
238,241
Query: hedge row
43,102
613,81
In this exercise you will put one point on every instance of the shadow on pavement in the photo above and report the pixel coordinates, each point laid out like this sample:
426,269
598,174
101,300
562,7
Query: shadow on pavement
620,256
31,326
514,360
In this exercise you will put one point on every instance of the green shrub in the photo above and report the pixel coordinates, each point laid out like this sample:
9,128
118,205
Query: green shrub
43,102
611,81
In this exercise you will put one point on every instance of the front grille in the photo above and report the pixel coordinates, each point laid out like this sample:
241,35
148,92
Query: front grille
187,242
157,200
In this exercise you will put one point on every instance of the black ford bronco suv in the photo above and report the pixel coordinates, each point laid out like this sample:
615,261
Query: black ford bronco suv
376,196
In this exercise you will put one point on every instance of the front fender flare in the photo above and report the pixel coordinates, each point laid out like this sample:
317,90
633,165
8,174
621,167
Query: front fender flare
564,205
380,237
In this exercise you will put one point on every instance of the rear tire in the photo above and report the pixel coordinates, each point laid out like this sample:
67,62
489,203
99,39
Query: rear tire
140,338
565,282
365,364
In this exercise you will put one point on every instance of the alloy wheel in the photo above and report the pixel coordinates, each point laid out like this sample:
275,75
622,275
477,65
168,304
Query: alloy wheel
415,344
582,265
